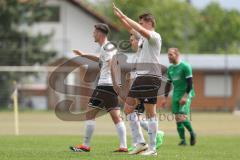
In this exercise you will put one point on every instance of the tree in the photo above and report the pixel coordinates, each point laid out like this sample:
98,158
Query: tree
219,30
211,30
172,16
17,46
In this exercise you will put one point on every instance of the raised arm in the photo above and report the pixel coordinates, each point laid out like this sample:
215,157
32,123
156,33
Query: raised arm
125,24
88,56
130,24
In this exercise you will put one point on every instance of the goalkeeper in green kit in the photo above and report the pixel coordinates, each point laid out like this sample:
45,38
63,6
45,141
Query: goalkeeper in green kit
180,75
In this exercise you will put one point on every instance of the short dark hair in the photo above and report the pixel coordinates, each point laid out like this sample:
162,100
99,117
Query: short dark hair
102,27
148,17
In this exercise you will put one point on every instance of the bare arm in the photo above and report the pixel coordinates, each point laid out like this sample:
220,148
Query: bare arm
121,88
88,56
144,32
131,24
125,24
115,71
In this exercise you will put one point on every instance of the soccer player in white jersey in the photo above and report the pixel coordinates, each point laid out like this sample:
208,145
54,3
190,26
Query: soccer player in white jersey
104,96
134,41
145,86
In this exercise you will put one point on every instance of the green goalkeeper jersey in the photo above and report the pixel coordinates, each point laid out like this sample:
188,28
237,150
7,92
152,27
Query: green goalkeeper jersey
178,74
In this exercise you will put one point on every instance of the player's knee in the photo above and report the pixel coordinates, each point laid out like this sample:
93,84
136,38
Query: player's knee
116,116
150,114
116,120
127,110
90,116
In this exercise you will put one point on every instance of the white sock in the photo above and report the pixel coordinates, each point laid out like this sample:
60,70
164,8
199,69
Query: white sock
152,132
135,127
134,140
89,129
121,130
144,124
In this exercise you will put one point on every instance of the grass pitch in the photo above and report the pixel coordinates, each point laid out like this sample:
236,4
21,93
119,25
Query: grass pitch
56,148
44,137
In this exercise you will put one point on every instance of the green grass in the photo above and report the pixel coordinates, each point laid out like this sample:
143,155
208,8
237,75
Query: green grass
218,138
56,147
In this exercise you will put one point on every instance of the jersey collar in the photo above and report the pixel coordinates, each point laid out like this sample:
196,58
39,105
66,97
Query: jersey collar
104,43
175,65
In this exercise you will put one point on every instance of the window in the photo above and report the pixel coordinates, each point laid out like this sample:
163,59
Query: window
218,86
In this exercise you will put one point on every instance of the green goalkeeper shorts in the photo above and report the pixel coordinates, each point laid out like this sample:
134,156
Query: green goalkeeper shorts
178,109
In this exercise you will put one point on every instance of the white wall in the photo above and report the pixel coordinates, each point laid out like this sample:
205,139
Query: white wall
74,31
80,29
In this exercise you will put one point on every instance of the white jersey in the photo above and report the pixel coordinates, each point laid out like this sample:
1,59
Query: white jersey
149,53
107,51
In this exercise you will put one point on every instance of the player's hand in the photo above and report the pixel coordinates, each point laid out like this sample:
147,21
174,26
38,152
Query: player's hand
116,89
77,52
121,92
180,117
183,100
117,11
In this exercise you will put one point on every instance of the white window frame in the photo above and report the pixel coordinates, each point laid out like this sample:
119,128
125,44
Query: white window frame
218,85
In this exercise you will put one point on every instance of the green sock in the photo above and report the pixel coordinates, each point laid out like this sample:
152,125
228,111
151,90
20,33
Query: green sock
181,131
188,125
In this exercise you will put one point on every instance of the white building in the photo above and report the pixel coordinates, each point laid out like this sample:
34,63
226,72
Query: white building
72,26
